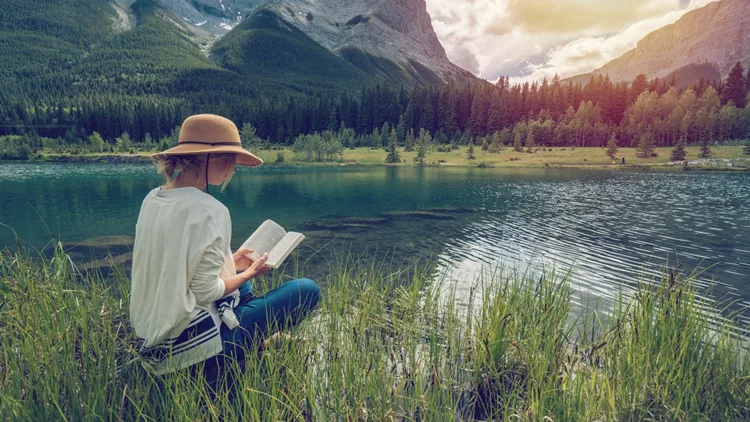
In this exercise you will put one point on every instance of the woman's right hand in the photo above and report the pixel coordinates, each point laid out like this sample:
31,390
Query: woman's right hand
258,267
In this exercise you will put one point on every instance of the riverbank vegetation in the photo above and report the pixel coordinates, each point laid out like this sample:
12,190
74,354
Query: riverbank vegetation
385,344
311,152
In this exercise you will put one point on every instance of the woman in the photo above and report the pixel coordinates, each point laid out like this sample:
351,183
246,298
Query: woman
183,264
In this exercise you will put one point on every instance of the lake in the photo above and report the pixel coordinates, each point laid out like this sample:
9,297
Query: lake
609,227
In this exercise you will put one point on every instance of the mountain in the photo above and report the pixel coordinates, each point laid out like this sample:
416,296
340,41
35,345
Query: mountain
388,39
702,42
223,48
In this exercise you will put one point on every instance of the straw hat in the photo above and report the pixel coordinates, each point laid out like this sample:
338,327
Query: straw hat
209,133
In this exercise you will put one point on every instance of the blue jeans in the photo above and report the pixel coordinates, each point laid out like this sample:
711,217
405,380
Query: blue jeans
280,308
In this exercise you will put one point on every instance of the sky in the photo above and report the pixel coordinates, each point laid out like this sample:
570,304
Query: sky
533,39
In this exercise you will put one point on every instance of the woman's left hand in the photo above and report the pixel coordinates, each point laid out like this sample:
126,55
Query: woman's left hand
241,261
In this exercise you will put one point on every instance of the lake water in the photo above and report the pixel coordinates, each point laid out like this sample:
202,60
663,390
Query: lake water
609,227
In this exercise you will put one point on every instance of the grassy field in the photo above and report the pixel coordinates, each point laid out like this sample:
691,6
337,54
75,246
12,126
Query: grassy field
558,157
383,346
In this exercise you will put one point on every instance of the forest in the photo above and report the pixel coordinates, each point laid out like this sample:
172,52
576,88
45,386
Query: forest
550,113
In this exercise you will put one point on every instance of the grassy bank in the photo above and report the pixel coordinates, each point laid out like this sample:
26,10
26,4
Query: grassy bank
557,157
382,346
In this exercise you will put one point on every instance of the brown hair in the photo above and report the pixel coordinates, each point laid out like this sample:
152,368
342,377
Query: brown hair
173,165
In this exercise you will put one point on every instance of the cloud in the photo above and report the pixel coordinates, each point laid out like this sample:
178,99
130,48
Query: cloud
580,15
585,54
537,38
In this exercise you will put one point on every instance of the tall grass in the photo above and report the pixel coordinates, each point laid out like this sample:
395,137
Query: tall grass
383,345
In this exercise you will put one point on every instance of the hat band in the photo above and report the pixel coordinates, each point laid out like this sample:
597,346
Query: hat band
213,144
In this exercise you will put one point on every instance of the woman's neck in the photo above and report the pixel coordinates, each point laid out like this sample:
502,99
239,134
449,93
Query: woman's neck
184,180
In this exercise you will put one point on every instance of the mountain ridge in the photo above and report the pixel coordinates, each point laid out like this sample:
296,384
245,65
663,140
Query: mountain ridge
717,34
399,32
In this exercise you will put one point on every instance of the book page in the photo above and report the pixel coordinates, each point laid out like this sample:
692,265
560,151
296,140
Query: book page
283,248
264,239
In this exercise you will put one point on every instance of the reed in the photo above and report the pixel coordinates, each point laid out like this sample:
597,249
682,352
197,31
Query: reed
385,344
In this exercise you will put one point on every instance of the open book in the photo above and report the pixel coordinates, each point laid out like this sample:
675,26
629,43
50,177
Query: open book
272,238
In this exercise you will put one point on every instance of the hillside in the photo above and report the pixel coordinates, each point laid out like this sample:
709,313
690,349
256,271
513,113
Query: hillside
390,40
717,34
69,49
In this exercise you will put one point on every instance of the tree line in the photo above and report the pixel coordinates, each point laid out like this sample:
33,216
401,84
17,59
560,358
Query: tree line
549,113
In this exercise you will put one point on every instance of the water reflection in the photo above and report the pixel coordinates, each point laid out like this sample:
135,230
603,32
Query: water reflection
608,227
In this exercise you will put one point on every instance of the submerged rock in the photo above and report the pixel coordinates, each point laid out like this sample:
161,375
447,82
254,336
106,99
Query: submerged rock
454,210
426,215
335,226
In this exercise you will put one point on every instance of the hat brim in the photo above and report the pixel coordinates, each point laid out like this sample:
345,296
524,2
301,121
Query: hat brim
244,157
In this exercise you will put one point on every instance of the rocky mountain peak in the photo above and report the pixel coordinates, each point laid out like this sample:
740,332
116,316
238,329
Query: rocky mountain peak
397,30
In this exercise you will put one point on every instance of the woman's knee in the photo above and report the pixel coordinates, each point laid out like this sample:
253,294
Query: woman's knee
308,290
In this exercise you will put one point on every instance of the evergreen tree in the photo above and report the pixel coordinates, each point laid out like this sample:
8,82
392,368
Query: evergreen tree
678,152
496,143
333,120
518,143
705,149
401,129
485,144
640,84
612,146
393,155
646,145
470,152
250,139
530,141
423,146
385,133
734,88
409,141
477,114
746,149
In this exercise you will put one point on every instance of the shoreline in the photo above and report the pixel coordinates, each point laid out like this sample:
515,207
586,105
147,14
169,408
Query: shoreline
558,159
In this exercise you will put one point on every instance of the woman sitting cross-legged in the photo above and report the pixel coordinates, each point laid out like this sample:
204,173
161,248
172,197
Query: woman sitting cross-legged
191,297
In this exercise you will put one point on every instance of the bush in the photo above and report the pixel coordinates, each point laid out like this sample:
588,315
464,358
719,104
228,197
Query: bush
279,157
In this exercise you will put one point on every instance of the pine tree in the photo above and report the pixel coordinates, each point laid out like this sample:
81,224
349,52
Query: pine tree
409,141
333,119
485,144
678,153
612,146
530,141
646,145
250,139
705,149
746,149
640,84
734,88
518,143
470,152
496,143
423,146
401,129
385,133
393,155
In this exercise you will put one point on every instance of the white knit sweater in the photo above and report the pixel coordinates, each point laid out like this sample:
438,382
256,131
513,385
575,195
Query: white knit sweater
180,257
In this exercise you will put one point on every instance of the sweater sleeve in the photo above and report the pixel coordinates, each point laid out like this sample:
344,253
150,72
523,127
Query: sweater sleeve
207,285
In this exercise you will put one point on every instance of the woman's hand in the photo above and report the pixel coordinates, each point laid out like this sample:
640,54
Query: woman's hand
257,268
241,261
